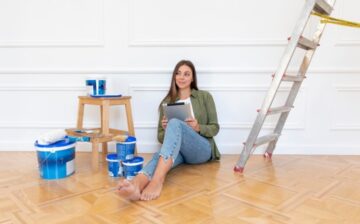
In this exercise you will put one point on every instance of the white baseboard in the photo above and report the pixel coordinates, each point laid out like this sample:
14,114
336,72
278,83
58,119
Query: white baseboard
234,149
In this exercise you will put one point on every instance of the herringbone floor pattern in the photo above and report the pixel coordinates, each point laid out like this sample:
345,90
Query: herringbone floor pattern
288,189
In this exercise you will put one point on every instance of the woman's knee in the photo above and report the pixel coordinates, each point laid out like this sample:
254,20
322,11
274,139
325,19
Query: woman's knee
174,122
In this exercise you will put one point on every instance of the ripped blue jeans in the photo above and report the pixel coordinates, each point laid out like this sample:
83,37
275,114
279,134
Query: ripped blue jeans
181,144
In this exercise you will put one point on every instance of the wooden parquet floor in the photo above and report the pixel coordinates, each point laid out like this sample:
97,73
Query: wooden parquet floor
288,189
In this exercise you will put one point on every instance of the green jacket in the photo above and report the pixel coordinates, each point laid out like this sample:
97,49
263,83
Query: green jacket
205,113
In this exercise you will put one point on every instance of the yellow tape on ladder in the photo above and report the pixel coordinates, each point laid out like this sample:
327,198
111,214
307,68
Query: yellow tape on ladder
332,20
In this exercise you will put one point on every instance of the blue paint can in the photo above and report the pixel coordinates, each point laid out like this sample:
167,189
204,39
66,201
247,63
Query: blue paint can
132,167
90,86
95,86
101,90
114,165
56,160
126,150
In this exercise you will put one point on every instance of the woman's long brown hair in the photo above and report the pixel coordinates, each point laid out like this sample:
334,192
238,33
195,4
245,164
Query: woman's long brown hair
174,89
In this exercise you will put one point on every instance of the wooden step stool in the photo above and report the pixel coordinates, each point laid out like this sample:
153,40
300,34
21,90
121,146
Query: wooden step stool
104,134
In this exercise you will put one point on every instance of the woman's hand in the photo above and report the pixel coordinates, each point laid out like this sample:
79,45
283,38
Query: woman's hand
193,123
164,122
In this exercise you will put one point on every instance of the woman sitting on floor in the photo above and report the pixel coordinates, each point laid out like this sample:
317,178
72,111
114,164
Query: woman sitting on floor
190,141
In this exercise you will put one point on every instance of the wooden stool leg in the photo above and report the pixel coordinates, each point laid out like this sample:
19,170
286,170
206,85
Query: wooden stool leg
130,121
95,152
80,117
104,150
105,110
129,117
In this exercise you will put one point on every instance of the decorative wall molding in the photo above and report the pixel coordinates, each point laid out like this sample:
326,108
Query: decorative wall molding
137,125
99,42
235,149
348,43
342,12
162,71
227,125
347,88
207,43
39,88
345,127
44,125
52,44
295,149
205,40
223,88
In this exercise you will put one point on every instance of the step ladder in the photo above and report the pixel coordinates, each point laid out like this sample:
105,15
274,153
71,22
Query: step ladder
295,41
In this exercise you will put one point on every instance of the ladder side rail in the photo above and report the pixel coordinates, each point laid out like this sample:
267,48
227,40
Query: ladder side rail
296,87
286,58
279,74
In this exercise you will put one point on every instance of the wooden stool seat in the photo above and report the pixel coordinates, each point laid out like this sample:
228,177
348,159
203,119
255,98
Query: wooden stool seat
104,134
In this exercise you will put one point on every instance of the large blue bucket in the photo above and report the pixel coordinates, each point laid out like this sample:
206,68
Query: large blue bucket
56,160
126,150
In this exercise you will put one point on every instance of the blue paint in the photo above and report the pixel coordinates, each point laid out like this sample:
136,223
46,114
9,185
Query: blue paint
91,86
132,167
125,150
56,160
114,165
96,86
102,87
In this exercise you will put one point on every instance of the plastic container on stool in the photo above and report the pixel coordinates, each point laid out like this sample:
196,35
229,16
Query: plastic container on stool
56,160
95,85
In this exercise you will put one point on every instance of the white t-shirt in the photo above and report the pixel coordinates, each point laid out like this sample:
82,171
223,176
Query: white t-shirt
187,101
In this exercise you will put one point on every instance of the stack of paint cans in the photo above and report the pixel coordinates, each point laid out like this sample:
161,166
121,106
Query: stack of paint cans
124,162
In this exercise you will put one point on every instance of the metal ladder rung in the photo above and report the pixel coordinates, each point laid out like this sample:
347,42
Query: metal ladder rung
307,44
277,110
266,139
293,78
322,6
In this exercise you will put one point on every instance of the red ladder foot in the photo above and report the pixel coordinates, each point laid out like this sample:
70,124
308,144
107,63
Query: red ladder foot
238,169
267,155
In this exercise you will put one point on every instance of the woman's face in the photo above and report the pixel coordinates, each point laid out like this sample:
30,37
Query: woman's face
184,77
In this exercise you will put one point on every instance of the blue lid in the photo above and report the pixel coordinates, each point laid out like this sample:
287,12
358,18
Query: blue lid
66,141
112,157
136,159
130,139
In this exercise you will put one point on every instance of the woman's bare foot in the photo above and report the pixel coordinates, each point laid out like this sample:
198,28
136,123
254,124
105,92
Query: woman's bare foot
132,189
152,190
129,190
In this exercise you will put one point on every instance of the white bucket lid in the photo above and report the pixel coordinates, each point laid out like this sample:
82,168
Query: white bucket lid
57,146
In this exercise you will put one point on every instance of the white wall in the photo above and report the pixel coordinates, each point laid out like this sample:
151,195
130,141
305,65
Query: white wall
47,48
